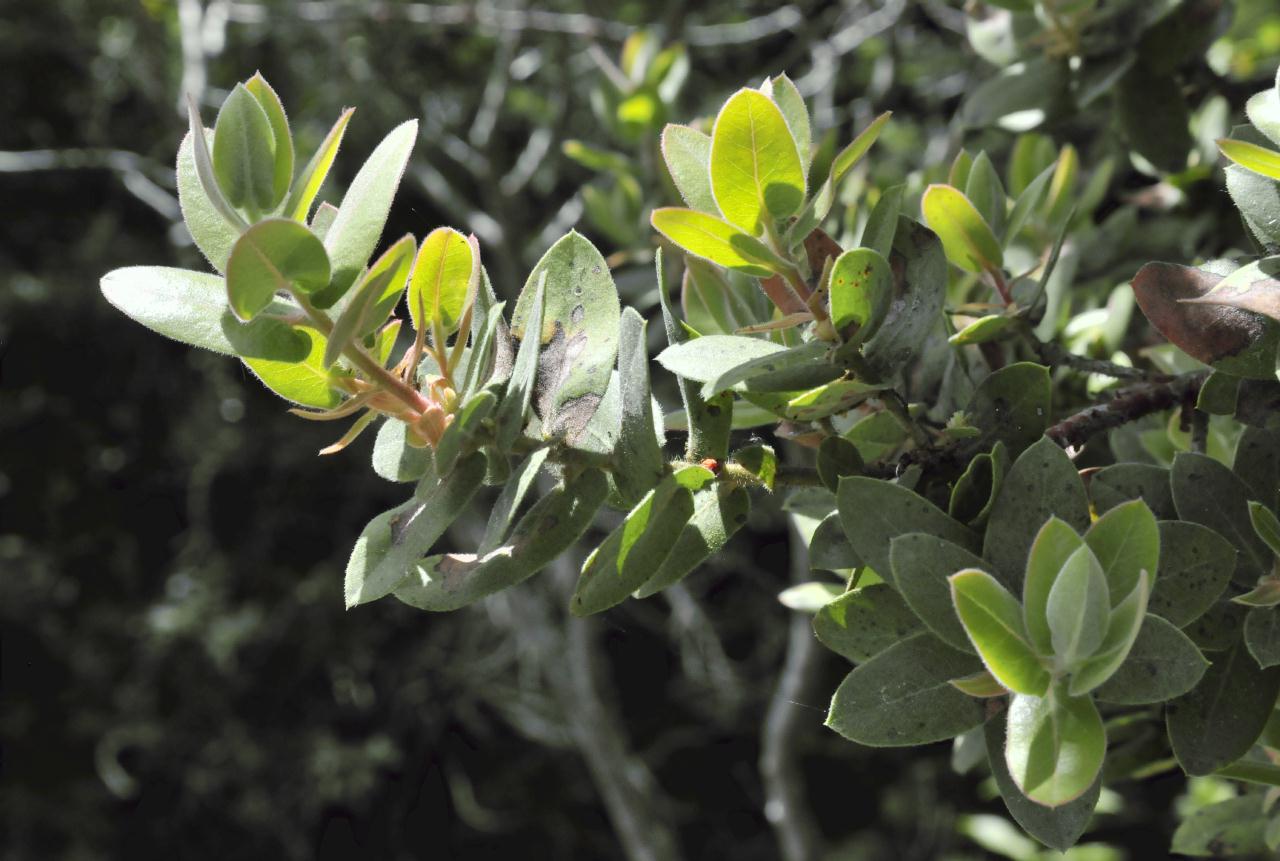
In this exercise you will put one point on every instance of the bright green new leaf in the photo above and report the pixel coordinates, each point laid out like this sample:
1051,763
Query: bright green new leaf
1266,524
306,382
756,173
1054,746
373,299
984,330
393,542
282,137
713,239
966,236
244,157
1163,664
861,292
903,696
442,275
304,191
687,153
1122,629
191,307
992,618
1252,157
1053,546
355,231
275,255
1078,609
1126,541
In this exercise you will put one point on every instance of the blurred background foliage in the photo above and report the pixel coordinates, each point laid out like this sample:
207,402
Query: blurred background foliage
179,676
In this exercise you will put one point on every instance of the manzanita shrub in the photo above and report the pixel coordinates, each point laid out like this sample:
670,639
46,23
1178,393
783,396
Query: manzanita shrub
1070,627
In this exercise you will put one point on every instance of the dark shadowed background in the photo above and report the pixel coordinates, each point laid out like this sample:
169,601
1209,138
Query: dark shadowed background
179,676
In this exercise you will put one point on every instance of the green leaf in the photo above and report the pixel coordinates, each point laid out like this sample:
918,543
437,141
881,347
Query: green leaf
1263,110
1054,746
1054,544
976,489
637,452
1163,664
394,458
1252,157
920,565
829,549
1078,609
713,239
1195,568
1220,628
275,255
282,138
1028,203
440,281
876,435
373,299
1208,493
965,235
305,190
760,461
353,236
756,173
992,618
837,457
903,697
244,152
1123,628
514,411
393,542
1266,525
874,512
1266,594
1041,484
467,424
1257,462
1013,405
214,226
1019,98
983,330
305,382
191,307
861,292
985,191
632,552
864,622
1112,485
687,153
1262,636
1225,829
1126,541
1258,199
718,512
1219,721
551,526
1154,116
709,358
579,334
787,97
820,204
882,223
797,368
1057,827
920,272
514,491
